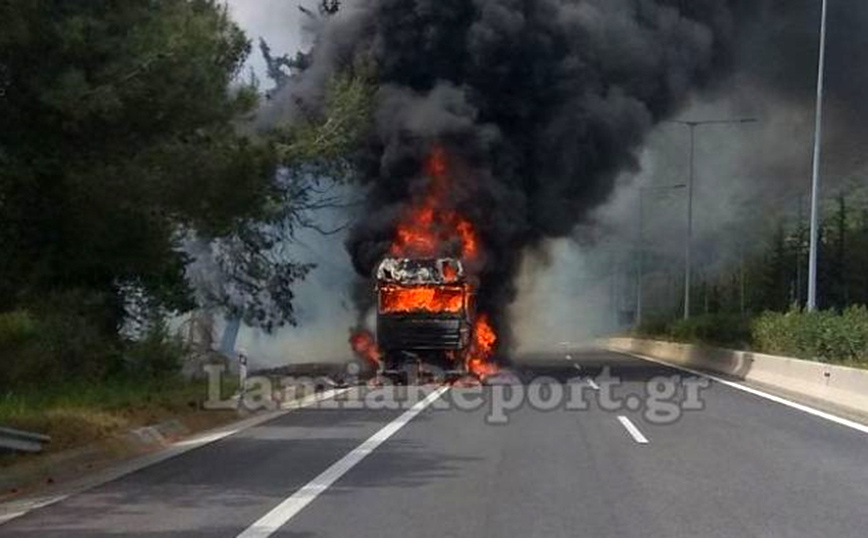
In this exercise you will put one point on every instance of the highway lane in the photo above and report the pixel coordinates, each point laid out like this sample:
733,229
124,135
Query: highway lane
742,466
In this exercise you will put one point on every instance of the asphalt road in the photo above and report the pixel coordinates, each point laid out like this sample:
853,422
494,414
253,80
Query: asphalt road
742,466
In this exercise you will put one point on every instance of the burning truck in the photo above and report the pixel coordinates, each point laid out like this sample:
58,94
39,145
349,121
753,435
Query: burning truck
426,291
425,316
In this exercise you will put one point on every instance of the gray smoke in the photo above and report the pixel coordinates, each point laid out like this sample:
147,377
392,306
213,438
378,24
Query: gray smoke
752,178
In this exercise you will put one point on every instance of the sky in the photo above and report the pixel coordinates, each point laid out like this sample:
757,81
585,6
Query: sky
279,22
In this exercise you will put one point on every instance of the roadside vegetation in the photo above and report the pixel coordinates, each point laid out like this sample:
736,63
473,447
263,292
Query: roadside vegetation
129,134
750,287
826,336
77,414
60,378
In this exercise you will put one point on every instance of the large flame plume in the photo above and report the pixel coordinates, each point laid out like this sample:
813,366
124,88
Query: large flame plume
430,226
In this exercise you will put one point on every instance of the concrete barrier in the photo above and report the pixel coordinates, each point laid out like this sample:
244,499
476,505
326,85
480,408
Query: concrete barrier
837,385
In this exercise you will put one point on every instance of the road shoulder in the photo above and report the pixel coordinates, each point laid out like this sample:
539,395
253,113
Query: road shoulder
110,462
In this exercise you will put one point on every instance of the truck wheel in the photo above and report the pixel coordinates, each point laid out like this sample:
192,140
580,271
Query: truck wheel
398,378
411,373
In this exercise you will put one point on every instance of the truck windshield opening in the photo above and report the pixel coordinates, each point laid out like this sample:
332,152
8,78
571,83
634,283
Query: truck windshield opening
432,299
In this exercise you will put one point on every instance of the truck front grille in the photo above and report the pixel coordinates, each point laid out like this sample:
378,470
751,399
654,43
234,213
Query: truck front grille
421,333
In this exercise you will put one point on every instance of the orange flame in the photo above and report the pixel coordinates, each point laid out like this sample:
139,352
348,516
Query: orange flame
365,346
405,299
431,228
482,349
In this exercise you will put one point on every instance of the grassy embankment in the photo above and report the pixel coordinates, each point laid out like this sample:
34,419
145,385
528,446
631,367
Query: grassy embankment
79,414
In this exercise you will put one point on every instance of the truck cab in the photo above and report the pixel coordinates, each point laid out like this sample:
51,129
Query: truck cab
425,316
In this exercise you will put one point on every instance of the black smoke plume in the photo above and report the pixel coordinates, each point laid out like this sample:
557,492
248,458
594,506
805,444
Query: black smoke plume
540,105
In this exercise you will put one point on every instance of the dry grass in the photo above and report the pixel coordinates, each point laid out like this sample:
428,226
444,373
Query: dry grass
78,415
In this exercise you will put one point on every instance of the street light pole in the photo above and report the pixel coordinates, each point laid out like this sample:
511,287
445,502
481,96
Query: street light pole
688,247
815,181
639,261
688,262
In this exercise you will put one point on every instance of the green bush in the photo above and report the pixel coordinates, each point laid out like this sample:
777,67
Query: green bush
156,355
653,327
53,345
18,337
63,340
713,329
825,336
17,329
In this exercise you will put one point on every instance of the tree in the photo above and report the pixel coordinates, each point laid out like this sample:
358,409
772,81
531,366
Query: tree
117,132
120,145
775,285
859,258
838,278
329,7
252,271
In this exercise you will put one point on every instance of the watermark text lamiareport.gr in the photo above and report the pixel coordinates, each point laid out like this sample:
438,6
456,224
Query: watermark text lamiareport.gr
660,400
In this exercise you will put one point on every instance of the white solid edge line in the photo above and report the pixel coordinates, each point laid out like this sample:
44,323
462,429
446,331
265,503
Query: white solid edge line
292,505
771,397
633,430
10,517
593,384
318,397
25,506
207,439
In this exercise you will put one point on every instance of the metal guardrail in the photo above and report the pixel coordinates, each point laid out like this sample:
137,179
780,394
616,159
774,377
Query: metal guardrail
19,441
